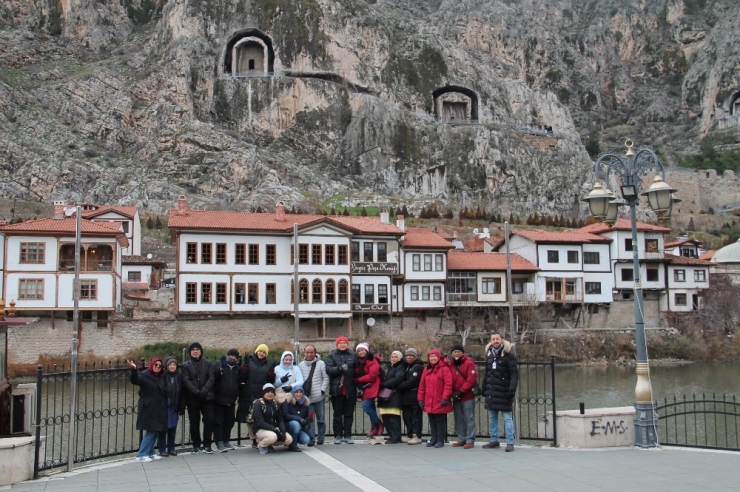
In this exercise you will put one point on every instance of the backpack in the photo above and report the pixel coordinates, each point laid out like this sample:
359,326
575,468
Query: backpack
250,416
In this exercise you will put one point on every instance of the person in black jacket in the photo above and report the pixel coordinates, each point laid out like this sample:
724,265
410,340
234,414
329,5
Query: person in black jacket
152,407
175,407
502,377
255,372
197,381
226,391
412,413
340,366
390,409
268,425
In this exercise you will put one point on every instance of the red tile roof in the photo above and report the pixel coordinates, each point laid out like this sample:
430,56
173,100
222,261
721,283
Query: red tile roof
66,225
679,243
708,255
462,260
540,236
473,245
685,260
129,212
424,238
622,225
267,222
141,260
495,242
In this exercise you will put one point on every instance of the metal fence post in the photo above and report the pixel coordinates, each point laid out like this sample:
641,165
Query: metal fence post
554,407
37,450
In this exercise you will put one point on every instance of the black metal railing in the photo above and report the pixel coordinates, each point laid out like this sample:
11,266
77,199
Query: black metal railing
105,419
705,421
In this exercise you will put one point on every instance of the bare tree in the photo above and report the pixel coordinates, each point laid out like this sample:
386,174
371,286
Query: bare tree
721,307
530,314
468,318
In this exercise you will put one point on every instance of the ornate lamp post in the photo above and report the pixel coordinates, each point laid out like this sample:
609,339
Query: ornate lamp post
604,206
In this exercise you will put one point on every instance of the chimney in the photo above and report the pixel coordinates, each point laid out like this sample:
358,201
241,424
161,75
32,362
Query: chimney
280,212
400,222
384,217
58,210
454,234
181,205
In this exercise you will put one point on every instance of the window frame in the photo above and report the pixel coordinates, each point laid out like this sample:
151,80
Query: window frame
330,297
655,272
517,285
271,297
496,281
369,293
342,258
317,291
133,276
39,256
206,253
303,254
593,290
439,262
221,251
367,252
240,289
437,293
382,251
356,294
191,253
426,293
191,292
343,292
24,289
206,293
240,254
253,293
629,272
221,293
651,245
553,256
253,254
91,284
588,257
355,251
628,244
679,275
416,262
317,254
414,292
270,254
572,256
703,275
329,256
679,295
382,293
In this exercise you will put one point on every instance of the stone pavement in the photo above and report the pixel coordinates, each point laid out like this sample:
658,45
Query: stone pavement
400,467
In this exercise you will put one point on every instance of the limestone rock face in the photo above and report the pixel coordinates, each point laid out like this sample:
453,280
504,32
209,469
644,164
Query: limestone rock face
139,101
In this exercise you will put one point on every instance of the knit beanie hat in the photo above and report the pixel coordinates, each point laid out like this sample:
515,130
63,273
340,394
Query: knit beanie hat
341,339
262,348
233,352
397,354
195,345
169,359
459,347
362,345
268,388
412,351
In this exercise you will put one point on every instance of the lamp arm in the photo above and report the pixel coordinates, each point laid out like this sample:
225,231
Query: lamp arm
646,160
621,166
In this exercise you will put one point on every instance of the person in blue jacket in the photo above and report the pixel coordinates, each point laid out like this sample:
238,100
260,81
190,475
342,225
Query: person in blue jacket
297,417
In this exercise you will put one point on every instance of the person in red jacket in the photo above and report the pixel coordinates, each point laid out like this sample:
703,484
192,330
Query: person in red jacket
368,378
464,377
435,391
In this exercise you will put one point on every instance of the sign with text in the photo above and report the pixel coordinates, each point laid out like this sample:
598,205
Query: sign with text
370,308
382,268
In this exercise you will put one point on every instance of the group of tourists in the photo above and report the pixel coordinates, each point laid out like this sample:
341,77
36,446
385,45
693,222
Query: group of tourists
283,403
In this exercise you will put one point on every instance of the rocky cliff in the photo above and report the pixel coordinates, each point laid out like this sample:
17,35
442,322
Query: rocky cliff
461,101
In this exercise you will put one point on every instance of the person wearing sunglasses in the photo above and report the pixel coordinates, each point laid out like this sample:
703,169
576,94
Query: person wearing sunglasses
152,406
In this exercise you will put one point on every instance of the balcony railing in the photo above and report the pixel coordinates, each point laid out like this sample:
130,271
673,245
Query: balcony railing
90,266
467,297
560,296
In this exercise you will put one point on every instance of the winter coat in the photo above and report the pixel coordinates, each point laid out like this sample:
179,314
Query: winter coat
152,406
367,375
393,377
337,376
464,377
500,382
410,385
292,410
198,379
173,393
435,386
226,387
319,381
268,420
255,372
295,376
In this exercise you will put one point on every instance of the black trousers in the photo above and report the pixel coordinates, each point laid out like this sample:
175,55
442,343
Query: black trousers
344,415
198,409
223,422
437,427
412,419
393,426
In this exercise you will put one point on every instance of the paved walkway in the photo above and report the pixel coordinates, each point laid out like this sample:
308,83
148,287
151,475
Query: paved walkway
400,467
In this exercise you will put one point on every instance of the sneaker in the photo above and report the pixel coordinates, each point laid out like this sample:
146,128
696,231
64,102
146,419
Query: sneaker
173,453
154,457
337,440
509,448
208,450
392,441
221,448
228,446
319,443
414,440
491,445
431,444
458,444
263,450
194,450
294,448
143,459
349,440
469,445
164,454
270,449
311,444
440,444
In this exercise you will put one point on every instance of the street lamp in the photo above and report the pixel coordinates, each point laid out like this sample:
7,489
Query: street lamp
604,205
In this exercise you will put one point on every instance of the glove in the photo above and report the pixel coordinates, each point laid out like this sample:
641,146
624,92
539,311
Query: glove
284,378
456,395
444,403
287,388
421,405
272,367
280,435
304,422
344,367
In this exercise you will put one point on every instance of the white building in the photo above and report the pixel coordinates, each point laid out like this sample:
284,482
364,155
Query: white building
479,279
650,255
689,248
727,260
127,217
687,278
40,264
424,268
574,267
141,273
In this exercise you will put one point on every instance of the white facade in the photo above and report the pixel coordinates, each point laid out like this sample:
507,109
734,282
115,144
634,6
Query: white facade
685,285
425,277
131,227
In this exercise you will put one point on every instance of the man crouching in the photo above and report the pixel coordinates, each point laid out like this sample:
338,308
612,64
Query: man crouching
269,426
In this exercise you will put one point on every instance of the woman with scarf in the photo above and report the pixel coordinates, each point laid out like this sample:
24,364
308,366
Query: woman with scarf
286,376
435,390
152,408
367,377
175,407
297,417
390,408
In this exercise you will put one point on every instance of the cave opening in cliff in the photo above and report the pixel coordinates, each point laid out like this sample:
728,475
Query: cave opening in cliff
735,103
455,103
249,52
